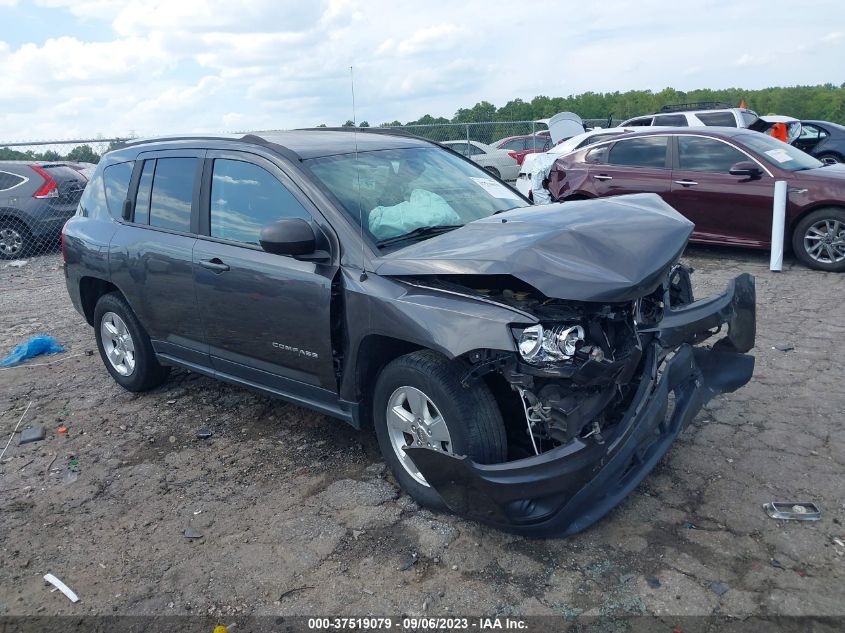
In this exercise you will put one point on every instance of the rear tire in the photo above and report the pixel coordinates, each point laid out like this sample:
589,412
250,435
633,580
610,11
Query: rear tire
16,241
473,422
829,158
493,171
124,346
819,239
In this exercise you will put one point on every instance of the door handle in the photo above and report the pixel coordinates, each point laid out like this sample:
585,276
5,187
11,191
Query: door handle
603,177
686,183
214,264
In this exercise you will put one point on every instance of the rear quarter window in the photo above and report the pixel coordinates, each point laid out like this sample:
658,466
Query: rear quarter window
9,181
719,119
116,182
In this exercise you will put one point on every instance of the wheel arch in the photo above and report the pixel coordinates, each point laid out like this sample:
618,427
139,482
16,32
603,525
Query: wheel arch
11,213
805,212
90,291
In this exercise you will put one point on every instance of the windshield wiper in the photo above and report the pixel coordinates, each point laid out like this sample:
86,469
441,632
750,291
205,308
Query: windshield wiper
423,231
506,210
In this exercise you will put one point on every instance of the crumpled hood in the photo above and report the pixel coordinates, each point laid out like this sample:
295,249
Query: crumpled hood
610,249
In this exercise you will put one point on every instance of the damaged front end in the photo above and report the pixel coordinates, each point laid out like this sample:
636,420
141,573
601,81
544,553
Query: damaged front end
603,390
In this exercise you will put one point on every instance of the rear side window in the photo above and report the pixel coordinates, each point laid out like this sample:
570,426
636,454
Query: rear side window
173,191
675,120
116,180
516,144
720,119
245,198
649,151
696,153
640,122
597,155
8,181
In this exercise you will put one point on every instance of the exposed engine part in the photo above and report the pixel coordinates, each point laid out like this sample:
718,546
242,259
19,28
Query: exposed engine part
528,420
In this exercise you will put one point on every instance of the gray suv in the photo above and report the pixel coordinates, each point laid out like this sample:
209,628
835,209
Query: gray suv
36,199
522,366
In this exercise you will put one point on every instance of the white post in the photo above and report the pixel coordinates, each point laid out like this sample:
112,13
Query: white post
778,223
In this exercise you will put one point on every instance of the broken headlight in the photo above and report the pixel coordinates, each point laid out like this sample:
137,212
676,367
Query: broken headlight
539,345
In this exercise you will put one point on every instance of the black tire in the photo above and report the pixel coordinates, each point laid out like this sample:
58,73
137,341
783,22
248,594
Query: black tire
147,373
800,245
493,171
829,157
471,415
21,243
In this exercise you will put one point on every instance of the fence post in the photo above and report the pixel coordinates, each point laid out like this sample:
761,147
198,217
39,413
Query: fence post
467,137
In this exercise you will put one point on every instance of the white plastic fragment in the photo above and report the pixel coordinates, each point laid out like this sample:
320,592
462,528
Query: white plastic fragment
58,584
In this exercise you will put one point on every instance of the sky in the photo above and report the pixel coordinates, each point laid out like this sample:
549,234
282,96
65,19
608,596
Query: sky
80,68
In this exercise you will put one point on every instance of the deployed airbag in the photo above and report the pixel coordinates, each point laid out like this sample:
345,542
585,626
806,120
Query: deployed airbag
423,209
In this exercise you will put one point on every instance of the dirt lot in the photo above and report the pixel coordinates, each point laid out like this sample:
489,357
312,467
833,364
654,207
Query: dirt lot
297,515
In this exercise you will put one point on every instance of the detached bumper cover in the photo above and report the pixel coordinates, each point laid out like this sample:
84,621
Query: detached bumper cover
565,490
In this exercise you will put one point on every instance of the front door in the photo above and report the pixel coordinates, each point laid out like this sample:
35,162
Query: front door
725,208
266,316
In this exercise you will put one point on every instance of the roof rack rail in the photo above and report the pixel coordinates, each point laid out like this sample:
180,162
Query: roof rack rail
699,105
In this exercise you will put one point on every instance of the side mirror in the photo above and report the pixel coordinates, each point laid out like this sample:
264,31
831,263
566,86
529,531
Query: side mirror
291,236
746,168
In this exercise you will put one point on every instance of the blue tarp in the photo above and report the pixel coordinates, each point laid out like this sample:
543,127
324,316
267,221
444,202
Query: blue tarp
35,346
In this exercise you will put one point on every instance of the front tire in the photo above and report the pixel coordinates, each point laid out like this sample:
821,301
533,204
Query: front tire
819,239
124,346
419,401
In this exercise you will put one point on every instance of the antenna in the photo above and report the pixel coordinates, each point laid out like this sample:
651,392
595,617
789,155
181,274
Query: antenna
357,172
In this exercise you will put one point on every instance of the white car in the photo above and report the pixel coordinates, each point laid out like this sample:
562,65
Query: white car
498,162
542,162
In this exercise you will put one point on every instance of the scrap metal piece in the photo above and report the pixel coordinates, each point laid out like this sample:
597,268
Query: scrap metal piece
58,584
791,511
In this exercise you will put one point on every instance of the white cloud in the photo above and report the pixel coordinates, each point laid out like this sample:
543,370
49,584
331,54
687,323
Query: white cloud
170,66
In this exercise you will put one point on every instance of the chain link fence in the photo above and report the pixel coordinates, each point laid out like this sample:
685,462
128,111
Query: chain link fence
40,186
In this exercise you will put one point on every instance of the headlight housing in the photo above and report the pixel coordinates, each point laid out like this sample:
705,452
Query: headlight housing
555,343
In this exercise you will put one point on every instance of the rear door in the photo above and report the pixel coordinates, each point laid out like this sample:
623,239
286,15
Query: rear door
634,165
724,208
267,317
151,254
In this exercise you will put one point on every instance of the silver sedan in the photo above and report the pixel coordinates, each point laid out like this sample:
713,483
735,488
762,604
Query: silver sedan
498,162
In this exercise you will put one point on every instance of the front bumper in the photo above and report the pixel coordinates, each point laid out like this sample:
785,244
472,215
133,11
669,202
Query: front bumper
567,489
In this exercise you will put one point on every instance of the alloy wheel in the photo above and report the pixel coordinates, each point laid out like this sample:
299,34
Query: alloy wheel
824,241
118,343
413,420
11,241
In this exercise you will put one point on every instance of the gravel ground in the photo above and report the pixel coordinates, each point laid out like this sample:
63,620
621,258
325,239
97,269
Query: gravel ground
297,515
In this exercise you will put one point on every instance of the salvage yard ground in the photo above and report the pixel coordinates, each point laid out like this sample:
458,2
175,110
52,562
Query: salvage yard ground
297,515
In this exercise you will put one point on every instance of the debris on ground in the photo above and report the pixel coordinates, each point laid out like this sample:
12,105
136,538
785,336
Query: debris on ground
783,348
793,511
18,263
776,563
410,562
191,533
719,588
653,582
62,430
32,434
15,430
58,584
204,434
690,526
294,590
35,346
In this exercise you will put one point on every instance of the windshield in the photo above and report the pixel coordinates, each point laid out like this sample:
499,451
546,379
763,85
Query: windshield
778,153
400,191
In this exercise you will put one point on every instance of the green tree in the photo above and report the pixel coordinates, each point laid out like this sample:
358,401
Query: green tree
349,123
83,154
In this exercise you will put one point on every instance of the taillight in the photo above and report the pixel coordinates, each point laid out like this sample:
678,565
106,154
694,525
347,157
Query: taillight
513,155
49,189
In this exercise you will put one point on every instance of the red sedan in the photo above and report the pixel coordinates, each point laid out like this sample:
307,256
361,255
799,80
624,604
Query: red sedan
723,180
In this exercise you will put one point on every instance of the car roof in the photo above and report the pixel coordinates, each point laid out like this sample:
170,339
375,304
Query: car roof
308,143
709,130
838,126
